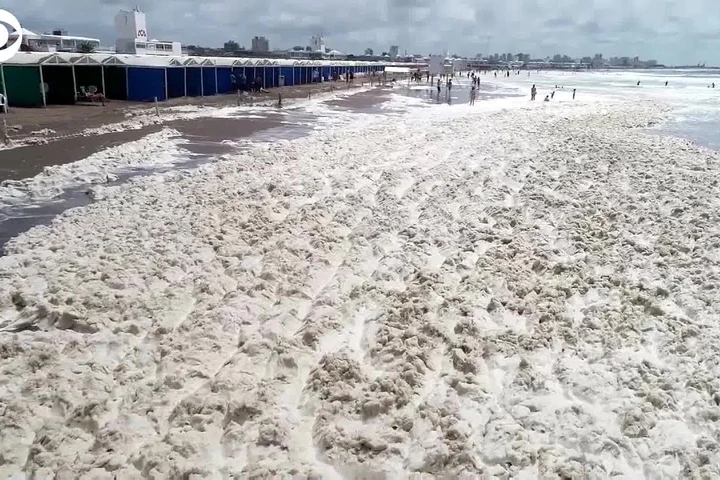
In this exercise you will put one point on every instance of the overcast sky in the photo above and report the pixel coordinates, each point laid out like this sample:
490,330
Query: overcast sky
677,31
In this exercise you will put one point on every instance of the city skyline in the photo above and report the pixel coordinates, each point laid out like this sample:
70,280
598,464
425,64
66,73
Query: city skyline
670,33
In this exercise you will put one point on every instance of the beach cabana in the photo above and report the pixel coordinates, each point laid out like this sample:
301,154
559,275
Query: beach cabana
34,79
89,71
272,73
238,69
297,73
115,77
304,72
285,67
21,77
176,86
224,67
316,71
193,77
326,73
309,67
264,69
261,70
249,70
146,76
58,77
209,77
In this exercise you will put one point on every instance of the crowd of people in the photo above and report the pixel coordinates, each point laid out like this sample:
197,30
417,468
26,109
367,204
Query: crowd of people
241,83
533,93
474,76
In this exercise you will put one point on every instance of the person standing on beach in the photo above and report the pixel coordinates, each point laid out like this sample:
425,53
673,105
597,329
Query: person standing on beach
472,95
533,92
552,95
574,90
233,82
449,85
243,82
438,86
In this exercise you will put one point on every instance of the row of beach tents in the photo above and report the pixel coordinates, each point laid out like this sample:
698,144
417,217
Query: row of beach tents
35,79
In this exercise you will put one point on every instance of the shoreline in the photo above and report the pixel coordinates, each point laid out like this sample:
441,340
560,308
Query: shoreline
490,295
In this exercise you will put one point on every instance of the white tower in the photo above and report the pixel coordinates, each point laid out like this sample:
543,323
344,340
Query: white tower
131,30
318,43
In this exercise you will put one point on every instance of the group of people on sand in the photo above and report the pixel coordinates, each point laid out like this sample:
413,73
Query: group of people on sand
242,84
448,85
533,93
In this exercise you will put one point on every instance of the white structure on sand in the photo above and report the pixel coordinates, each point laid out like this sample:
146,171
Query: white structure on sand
132,36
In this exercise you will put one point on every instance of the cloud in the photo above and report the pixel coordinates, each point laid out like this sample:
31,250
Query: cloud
670,31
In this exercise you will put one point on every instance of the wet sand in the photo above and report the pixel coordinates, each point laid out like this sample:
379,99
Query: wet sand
67,145
207,135
28,161
72,120
365,102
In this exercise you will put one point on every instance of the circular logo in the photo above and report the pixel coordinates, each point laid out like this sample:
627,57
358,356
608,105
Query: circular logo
8,51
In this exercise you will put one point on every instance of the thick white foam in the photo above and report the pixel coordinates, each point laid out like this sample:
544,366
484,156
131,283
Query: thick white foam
152,150
526,291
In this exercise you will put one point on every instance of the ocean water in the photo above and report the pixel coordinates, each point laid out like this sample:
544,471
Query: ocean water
459,94
695,105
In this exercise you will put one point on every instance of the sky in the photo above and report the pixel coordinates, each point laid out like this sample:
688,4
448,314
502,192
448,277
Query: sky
672,32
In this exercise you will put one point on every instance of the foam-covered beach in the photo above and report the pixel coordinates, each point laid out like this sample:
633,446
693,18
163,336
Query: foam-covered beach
515,290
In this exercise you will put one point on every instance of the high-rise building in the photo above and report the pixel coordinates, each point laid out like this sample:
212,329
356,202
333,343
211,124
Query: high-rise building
317,43
393,51
131,28
260,44
132,36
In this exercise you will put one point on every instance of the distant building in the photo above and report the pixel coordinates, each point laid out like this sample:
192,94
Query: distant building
58,41
393,51
132,36
317,44
260,44
336,54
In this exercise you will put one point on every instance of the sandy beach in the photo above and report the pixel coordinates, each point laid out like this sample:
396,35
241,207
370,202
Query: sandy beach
514,290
